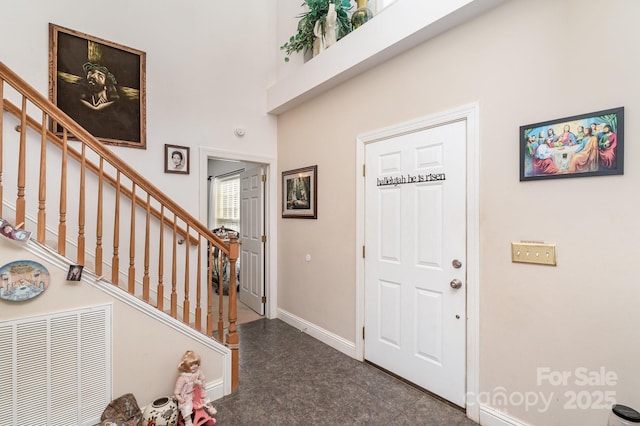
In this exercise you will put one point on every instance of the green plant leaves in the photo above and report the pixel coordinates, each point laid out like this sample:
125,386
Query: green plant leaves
318,9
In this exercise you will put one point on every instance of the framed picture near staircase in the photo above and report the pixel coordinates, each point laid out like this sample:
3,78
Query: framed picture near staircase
100,85
176,159
300,193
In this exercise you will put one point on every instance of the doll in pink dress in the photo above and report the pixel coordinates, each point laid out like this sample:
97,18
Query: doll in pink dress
190,394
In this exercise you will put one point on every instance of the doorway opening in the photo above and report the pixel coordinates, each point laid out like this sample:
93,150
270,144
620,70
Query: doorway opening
219,160
235,203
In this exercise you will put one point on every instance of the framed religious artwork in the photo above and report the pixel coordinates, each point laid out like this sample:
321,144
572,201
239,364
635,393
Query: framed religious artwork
100,85
300,193
176,159
583,145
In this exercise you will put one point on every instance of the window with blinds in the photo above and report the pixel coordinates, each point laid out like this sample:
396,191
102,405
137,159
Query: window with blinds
228,202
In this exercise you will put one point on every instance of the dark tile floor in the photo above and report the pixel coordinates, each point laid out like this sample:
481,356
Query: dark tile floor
290,378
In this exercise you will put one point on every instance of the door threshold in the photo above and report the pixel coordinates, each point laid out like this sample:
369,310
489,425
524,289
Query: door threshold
413,385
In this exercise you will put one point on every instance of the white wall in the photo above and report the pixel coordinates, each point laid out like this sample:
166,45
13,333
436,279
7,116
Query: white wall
207,70
145,351
526,61
523,62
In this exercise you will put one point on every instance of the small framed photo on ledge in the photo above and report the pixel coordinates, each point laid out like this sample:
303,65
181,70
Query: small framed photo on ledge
75,273
300,193
176,159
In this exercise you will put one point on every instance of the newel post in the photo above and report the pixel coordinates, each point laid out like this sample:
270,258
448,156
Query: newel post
232,335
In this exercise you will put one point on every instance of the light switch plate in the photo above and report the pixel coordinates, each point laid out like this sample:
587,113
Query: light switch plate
538,253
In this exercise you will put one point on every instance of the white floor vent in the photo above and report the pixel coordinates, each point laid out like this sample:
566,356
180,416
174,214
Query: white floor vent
56,369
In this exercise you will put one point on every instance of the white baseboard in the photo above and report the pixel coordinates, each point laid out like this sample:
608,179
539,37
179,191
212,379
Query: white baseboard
339,343
91,422
492,417
215,389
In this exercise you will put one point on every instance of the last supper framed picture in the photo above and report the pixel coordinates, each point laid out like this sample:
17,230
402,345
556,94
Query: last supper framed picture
582,145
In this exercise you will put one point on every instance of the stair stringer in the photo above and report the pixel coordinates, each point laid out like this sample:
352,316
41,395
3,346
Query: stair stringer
215,389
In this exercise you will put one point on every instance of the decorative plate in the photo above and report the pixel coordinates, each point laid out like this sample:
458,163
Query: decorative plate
23,280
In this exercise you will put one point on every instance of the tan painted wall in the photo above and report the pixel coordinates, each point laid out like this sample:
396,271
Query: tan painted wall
145,352
524,62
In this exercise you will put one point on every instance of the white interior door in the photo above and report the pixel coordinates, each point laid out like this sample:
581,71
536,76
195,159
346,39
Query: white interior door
251,233
415,228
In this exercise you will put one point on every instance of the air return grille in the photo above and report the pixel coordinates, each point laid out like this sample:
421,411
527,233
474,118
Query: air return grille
55,369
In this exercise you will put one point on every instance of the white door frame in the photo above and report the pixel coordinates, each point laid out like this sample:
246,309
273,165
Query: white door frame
470,113
270,214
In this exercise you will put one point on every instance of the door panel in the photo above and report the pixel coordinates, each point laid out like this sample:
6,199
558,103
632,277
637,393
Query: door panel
415,226
252,246
429,325
390,313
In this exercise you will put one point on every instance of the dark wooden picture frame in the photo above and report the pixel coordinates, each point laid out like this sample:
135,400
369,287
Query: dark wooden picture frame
300,193
99,84
582,145
176,159
75,272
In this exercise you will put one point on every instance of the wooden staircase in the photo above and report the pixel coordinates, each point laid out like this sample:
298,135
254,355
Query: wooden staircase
106,212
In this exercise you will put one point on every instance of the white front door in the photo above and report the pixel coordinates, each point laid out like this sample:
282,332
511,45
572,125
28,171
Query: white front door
415,239
251,233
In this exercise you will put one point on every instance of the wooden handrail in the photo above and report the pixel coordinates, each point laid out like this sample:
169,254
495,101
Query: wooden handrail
79,132
138,183
52,137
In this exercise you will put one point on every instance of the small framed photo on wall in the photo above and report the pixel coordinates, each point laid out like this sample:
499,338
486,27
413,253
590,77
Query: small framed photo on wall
176,159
